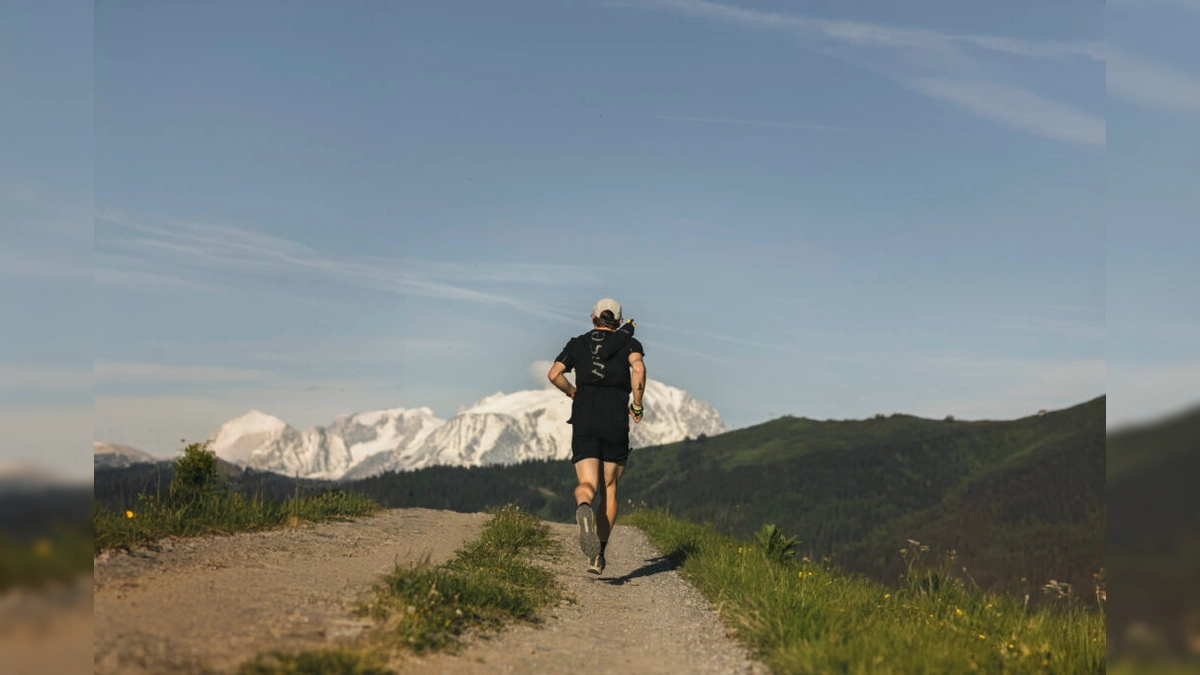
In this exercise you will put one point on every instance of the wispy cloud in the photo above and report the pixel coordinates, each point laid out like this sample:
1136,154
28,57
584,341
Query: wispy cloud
1188,5
501,273
862,34
1152,84
107,372
688,351
716,336
763,123
150,282
49,377
538,371
936,68
286,353
191,245
1018,108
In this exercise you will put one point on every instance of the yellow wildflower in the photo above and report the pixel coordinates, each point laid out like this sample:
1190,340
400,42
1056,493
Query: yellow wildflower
958,611
42,548
887,596
982,636
129,514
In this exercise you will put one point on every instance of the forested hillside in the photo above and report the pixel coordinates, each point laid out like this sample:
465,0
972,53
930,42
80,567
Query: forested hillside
1154,532
1020,499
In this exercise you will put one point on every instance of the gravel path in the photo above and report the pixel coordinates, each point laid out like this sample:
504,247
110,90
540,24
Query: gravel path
46,630
209,604
638,617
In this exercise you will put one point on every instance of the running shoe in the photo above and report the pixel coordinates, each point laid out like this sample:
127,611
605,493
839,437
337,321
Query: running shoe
589,540
596,566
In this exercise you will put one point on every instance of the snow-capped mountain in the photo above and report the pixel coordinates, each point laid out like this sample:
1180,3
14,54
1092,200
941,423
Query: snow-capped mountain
24,478
113,456
499,429
268,443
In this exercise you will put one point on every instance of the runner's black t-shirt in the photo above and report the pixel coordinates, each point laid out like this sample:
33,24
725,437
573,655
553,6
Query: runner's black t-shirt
601,358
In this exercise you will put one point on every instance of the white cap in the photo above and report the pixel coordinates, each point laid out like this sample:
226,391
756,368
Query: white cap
609,304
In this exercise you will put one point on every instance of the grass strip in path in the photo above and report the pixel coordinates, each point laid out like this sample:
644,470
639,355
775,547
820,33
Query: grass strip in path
489,583
801,617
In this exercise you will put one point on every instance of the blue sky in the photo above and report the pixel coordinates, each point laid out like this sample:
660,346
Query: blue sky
1153,79
46,239
823,210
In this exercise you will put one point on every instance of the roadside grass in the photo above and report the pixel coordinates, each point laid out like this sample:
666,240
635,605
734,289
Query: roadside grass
35,561
800,616
1154,664
219,513
423,608
197,504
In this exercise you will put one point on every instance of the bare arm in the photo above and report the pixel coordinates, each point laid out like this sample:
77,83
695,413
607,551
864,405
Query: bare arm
637,379
558,378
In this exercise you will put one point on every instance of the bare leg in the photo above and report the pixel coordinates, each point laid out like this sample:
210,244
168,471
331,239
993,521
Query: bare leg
608,515
588,473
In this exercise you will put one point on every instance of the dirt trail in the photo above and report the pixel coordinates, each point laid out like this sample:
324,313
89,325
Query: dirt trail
46,630
210,604
639,616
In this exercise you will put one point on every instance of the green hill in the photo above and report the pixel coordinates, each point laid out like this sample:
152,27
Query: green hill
1019,498
1039,515
1153,534
118,488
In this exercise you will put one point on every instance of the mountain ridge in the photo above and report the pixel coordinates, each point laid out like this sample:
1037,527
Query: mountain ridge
117,456
1016,498
1022,498
497,429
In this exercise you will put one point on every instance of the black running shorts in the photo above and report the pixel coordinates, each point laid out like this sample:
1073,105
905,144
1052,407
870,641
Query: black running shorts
600,424
605,444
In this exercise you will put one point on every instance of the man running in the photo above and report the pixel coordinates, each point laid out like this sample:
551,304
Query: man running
608,368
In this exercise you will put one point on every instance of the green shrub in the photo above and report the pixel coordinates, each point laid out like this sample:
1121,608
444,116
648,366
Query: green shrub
195,474
775,546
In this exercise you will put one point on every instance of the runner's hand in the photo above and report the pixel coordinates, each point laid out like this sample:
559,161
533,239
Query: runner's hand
636,412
